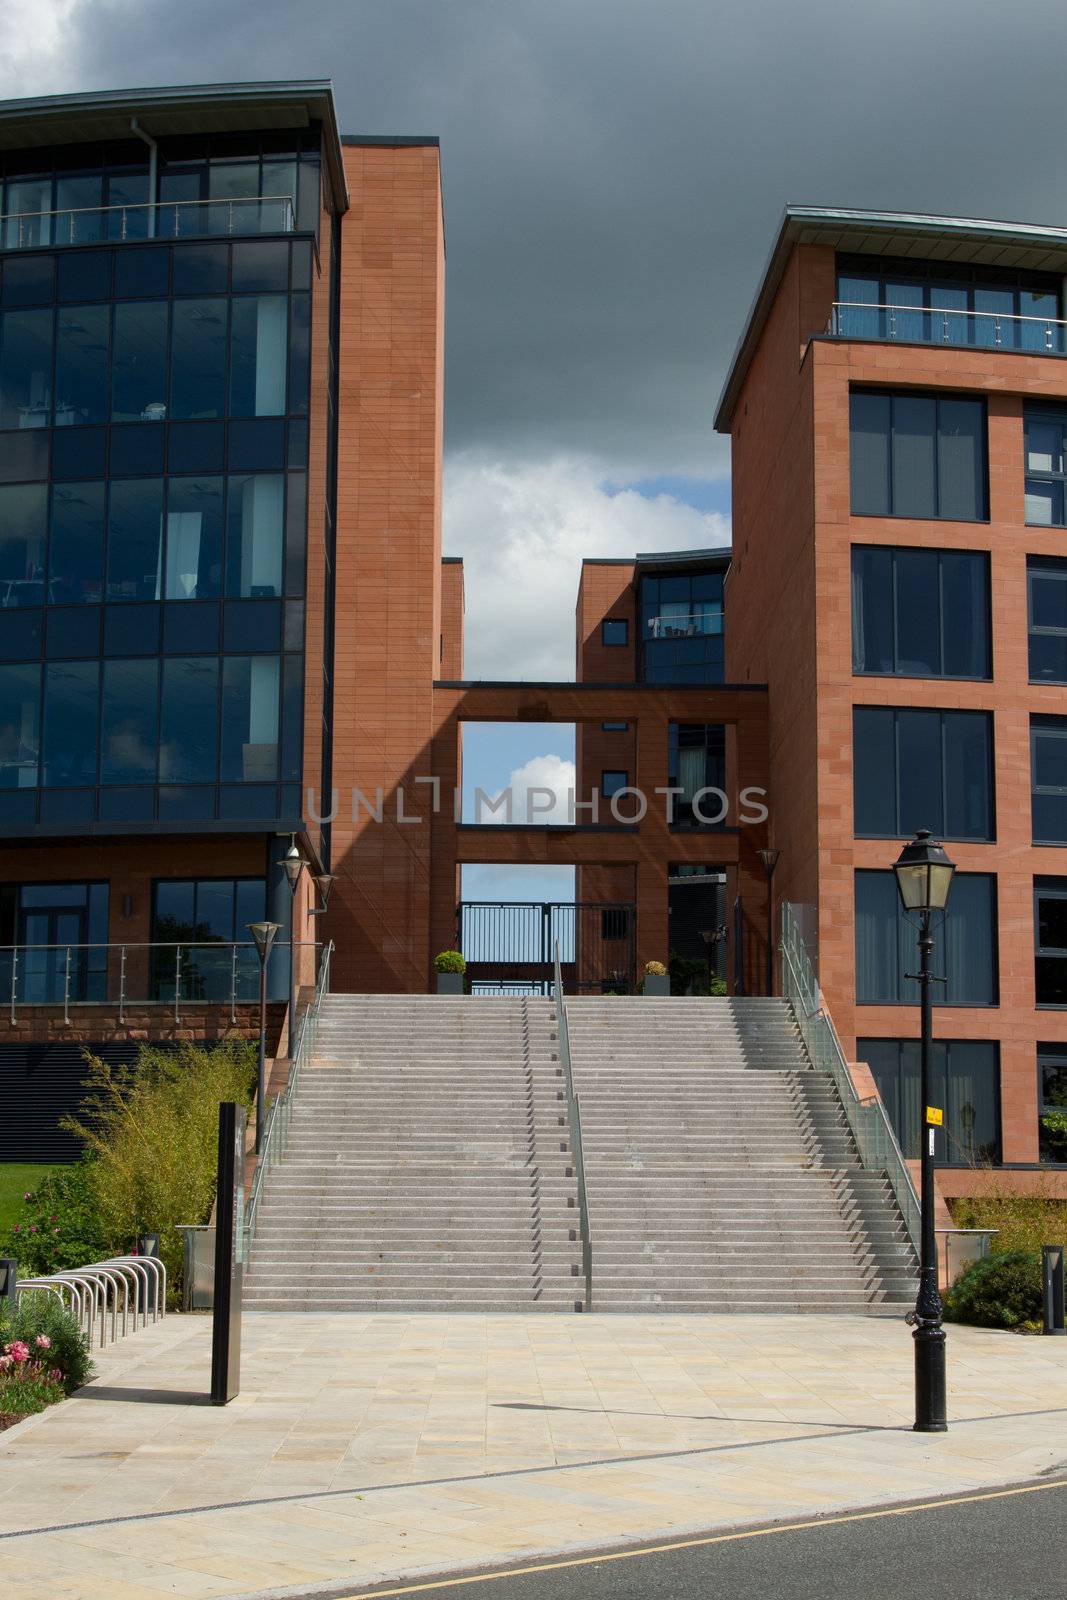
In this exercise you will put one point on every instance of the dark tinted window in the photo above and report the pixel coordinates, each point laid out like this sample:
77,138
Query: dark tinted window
965,1082
1046,578
915,455
916,768
965,943
920,613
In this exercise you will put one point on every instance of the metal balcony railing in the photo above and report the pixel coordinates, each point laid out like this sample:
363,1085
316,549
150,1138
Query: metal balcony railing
176,976
692,625
984,330
170,219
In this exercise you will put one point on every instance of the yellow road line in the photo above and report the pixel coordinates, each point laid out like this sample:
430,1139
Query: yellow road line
708,1539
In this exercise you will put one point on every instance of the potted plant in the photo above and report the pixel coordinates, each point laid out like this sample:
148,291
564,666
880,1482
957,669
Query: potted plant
656,979
450,966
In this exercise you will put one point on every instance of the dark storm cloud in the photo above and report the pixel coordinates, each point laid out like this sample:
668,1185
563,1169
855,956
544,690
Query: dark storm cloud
614,171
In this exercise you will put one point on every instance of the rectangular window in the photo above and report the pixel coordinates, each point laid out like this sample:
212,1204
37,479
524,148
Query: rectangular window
76,544
615,631
20,694
915,768
696,761
1048,779
1052,1102
254,524
259,343
920,613
194,539
965,945
1046,465
189,720
198,359
917,455
23,522
614,727
71,710
133,539
189,917
139,362
81,365
129,722
1046,579
250,702
612,782
1050,941
25,369
965,1086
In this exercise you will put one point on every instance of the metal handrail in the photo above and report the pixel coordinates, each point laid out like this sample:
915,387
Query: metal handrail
878,1146
574,1119
279,1117
95,965
690,625
996,318
151,207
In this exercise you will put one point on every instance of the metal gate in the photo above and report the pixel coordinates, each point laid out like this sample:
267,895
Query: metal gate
509,946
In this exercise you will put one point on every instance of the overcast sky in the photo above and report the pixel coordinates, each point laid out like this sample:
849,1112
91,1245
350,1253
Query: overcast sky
614,173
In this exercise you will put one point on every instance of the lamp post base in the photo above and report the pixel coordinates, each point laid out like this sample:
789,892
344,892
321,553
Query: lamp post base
931,1412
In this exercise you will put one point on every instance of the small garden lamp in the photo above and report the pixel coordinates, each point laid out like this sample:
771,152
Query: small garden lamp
924,877
264,934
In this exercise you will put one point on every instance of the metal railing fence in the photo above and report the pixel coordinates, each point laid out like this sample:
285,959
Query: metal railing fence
175,975
985,330
148,219
574,1120
690,625
876,1142
279,1117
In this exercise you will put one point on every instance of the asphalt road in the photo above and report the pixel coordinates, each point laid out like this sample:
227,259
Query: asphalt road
1001,1544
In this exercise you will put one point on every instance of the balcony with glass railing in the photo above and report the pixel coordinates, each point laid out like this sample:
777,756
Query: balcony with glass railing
684,625
171,219
982,330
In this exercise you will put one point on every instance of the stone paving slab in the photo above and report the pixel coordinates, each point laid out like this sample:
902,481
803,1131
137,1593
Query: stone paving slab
370,1447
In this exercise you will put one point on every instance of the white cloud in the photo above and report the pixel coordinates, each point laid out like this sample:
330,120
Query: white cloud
523,528
541,791
36,56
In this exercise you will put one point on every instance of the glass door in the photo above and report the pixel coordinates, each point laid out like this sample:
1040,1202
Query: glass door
46,935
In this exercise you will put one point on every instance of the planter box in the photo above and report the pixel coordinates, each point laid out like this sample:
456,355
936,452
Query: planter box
450,983
657,984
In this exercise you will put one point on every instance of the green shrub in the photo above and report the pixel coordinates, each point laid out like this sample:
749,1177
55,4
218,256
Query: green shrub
59,1226
151,1131
450,961
1021,1221
1001,1291
25,1390
1054,1136
65,1356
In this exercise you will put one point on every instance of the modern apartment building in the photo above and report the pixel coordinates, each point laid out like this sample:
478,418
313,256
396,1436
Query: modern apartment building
220,444
897,407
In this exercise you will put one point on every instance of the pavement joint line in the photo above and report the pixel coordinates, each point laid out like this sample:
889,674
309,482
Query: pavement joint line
499,1477
604,1557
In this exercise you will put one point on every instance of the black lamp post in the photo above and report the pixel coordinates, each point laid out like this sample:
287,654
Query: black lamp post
924,878
264,933
293,863
770,858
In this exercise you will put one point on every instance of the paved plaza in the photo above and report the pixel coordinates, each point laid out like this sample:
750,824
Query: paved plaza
373,1447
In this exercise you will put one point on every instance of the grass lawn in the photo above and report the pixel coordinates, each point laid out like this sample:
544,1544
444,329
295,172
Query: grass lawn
15,1178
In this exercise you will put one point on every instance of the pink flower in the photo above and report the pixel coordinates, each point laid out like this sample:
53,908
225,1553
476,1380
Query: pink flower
56,1374
17,1228
18,1351
33,1229
43,1342
26,1196
52,1219
55,1230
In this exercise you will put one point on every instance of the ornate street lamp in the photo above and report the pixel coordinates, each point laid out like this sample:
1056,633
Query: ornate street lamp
293,864
770,860
264,933
924,878
325,882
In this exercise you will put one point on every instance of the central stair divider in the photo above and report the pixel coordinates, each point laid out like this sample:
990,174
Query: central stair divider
574,1119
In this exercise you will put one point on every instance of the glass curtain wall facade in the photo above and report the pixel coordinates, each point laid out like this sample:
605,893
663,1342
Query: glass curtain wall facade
153,506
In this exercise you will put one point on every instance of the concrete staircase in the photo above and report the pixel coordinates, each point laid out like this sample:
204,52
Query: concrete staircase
720,1170
427,1166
